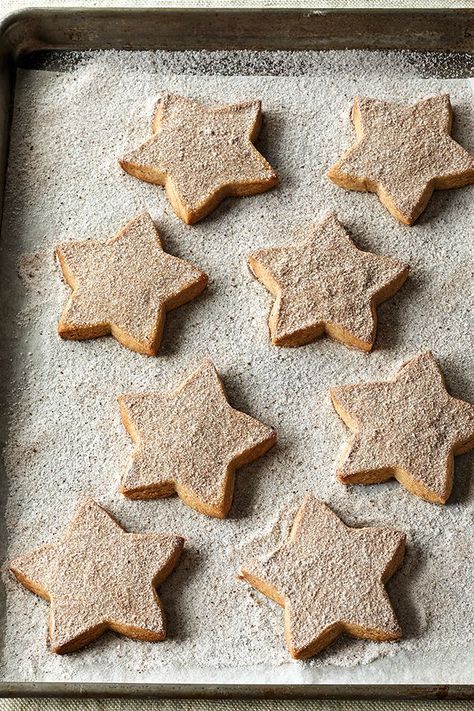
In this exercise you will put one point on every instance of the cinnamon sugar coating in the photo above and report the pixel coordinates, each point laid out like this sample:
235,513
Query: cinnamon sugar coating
202,155
409,428
403,153
98,578
190,441
125,286
330,579
325,284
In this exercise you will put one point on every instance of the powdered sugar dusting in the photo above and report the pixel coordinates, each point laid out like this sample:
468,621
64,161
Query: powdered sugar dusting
190,441
330,577
201,151
324,280
410,423
97,576
61,422
401,152
126,283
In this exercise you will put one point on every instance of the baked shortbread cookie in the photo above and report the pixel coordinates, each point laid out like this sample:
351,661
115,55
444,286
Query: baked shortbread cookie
325,284
98,578
330,579
190,441
403,153
202,155
409,428
125,286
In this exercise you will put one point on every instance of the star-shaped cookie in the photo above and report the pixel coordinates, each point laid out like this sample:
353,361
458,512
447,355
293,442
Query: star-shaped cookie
190,441
326,284
202,155
97,577
403,153
330,579
409,428
125,286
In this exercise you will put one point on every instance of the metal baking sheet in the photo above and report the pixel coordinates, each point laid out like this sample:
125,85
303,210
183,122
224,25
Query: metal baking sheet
24,39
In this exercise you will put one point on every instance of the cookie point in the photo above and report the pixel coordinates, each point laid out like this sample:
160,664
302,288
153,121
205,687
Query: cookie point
124,162
179,542
436,498
427,354
208,364
88,502
272,435
343,477
402,538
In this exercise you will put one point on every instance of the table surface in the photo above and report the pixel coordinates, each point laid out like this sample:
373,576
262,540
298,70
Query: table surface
8,6
229,705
